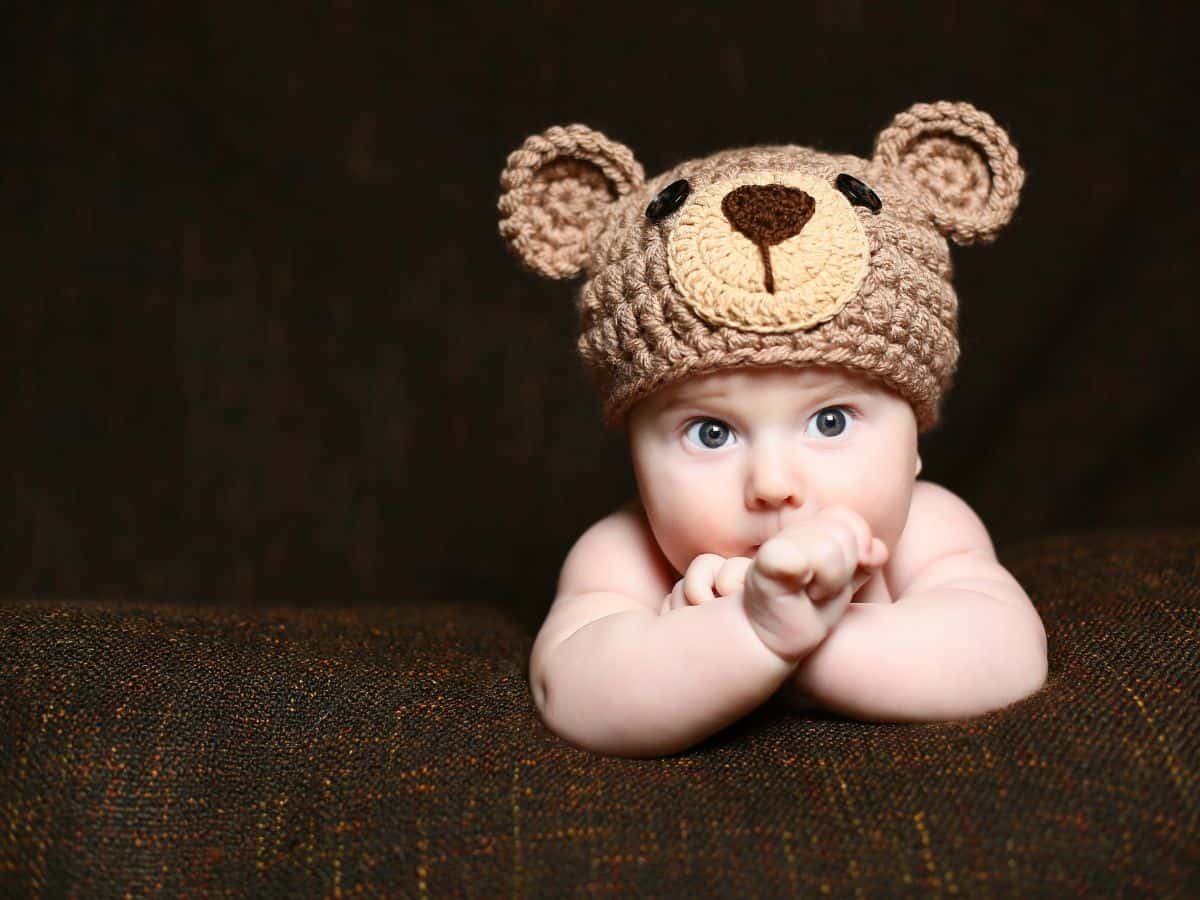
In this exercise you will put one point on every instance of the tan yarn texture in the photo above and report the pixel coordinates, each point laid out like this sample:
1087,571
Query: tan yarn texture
722,274
766,261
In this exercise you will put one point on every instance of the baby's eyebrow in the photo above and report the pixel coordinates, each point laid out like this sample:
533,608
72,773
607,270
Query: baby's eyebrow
824,392
689,399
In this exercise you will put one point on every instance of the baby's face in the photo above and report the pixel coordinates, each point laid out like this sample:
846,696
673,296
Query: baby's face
724,461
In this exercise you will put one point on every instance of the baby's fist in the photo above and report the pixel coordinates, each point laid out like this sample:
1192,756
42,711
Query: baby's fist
802,579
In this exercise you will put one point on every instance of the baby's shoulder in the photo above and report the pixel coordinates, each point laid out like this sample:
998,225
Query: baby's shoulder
940,525
618,554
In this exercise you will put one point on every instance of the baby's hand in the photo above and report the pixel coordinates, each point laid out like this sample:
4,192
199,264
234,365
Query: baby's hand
707,577
802,579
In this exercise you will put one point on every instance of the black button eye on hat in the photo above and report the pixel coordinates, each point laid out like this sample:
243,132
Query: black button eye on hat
668,200
858,193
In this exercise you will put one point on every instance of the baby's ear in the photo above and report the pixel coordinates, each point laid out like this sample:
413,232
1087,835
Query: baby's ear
557,187
963,162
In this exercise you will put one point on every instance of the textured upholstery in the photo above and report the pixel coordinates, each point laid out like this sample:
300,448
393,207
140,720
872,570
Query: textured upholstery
397,751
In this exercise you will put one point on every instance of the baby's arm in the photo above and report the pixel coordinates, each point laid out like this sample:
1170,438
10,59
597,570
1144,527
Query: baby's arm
610,675
962,638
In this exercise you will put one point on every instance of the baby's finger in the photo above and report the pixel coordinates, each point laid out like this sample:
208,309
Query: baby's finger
732,575
832,569
869,566
782,560
779,558
674,600
699,579
780,569
879,554
859,529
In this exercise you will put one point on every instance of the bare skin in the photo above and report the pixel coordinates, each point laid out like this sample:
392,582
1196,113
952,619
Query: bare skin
780,543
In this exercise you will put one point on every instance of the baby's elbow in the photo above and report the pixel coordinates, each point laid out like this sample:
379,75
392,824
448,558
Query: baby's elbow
537,687
1025,671
592,733
1036,669
1007,665
1017,647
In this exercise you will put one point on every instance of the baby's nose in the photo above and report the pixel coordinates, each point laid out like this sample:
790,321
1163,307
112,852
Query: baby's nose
772,482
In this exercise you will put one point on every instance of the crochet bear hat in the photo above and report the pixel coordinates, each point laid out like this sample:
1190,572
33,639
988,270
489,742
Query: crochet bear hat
766,255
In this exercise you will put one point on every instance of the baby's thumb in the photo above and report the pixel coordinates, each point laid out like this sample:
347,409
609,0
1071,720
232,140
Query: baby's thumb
869,565
878,554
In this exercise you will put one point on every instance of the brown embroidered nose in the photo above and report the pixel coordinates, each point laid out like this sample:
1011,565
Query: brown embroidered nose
768,214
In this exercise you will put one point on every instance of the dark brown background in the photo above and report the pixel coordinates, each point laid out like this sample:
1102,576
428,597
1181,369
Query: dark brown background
263,344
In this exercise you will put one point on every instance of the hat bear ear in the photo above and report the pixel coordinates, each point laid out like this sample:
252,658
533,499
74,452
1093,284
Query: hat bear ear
964,163
556,189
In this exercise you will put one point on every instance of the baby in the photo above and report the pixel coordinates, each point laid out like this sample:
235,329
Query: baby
773,327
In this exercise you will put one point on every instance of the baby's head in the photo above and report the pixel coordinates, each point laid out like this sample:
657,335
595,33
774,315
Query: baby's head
725,460
769,271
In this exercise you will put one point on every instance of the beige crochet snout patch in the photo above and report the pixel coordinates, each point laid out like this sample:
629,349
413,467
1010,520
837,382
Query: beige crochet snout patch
770,252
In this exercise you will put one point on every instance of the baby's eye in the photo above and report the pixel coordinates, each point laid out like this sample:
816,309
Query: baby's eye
710,433
832,421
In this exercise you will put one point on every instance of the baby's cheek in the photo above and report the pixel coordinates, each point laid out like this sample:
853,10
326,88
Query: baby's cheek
884,506
683,537
892,523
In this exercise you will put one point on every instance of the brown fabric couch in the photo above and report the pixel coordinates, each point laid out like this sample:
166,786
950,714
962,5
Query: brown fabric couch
292,452
160,749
